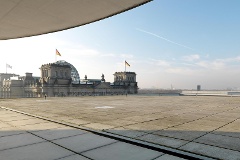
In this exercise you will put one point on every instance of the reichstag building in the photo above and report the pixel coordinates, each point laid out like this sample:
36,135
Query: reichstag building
62,79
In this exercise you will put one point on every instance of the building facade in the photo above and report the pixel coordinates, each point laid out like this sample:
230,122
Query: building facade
62,79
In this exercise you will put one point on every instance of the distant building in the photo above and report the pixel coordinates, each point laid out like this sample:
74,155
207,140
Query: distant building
62,79
198,87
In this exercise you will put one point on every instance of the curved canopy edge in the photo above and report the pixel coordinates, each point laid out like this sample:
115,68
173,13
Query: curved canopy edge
25,18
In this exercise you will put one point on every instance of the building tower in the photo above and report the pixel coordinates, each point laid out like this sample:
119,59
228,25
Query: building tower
126,79
55,78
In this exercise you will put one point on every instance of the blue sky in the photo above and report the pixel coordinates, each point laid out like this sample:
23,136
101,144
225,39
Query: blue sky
167,42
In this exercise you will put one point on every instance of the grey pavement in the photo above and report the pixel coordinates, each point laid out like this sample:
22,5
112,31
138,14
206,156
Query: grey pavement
29,138
203,125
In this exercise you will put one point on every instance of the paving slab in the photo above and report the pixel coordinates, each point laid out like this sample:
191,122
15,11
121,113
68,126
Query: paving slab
4,125
232,113
145,127
97,126
232,126
26,122
142,118
8,131
126,132
13,141
234,133
180,133
122,151
96,118
84,142
16,118
74,157
231,129
76,121
58,133
229,116
57,117
39,151
165,141
191,116
220,141
194,127
178,118
49,115
168,157
40,126
8,114
211,151
220,118
119,122
166,122
209,123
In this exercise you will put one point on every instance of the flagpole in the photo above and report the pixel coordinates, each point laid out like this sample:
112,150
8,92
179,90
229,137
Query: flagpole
6,68
125,65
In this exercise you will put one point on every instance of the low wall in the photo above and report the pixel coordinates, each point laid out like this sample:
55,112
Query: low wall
210,93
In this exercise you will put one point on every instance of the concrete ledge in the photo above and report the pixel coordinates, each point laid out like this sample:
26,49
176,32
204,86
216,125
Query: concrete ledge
211,93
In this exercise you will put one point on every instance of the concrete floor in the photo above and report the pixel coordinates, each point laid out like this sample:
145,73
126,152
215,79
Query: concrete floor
205,125
25,137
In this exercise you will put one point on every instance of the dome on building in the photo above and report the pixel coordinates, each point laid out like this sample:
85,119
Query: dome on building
74,73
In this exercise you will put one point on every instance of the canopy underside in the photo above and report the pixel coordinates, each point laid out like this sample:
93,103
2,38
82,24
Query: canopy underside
23,18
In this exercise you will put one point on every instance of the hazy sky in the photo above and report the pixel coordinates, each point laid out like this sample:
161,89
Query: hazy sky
166,42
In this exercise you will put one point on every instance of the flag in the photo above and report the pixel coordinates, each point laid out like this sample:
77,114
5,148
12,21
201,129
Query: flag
57,53
8,66
126,63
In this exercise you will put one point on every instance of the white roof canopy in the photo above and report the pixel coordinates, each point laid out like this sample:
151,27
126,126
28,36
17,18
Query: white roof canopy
23,18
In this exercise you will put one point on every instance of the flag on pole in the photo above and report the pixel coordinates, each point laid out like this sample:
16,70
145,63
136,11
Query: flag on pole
126,63
57,53
8,66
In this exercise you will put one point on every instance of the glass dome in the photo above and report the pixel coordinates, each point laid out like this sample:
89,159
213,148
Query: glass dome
74,73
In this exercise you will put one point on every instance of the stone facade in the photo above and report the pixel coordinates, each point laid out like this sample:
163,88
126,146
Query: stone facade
127,79
57,80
